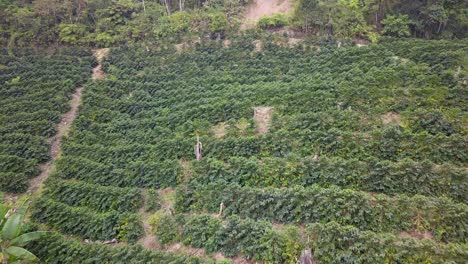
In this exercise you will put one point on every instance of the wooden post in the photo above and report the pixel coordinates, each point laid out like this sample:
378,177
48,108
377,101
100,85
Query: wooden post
221,207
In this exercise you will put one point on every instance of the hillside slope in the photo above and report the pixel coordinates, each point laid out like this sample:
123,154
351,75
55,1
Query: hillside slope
355,147
35,113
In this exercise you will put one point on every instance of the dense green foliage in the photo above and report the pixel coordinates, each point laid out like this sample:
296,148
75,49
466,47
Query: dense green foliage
365,145
87,223
274,21
443,218
373,176
331,243
114,22
34,91
334,243
99,198
110,22
13,237
400,18
56,249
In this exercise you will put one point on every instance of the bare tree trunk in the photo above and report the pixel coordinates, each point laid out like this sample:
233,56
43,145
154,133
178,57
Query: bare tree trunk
221,208
181,5
198,149
306,25
440,27
168,9
378,15
144,7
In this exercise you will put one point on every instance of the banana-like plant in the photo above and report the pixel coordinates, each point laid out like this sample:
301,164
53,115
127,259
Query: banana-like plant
12,239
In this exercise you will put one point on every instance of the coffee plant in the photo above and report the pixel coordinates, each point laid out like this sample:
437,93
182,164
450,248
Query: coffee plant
35,91
363,159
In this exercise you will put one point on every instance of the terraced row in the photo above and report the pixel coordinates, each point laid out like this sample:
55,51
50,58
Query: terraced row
364,147
35,89
332,243
372,175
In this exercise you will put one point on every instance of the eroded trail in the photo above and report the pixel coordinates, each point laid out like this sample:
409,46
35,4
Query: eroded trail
64,126
62,129
56,141
260,8
98,73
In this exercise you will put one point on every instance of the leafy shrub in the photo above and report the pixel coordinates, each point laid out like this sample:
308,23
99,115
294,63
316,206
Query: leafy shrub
153,201
201,232
396,26
433,122
273,21
329,155
100,198
57,249
316,204
13,182
36,88
218,22
85,223
330,242
164,227
334,243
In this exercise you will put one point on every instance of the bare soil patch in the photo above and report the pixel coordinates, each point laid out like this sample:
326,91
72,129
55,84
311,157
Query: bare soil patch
180,248
220,130
391,118
417,234
201,253
294,42
167,198
258,45
100,54
262,117
241,260
148,240
260,8
98,73
227,43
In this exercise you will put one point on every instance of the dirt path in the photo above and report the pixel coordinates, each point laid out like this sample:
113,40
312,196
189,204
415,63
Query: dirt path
98,73
260,8
56,141
148,240
63,127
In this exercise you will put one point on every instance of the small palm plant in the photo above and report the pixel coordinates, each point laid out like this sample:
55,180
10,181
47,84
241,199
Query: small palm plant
12,239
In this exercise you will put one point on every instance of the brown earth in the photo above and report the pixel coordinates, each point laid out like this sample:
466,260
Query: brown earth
262,117
260,8
391,118
220,130
417,234
100,54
